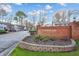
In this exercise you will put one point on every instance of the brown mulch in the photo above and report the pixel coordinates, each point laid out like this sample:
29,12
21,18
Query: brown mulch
30,39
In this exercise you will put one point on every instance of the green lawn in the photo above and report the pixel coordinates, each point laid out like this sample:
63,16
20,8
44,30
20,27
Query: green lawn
22,52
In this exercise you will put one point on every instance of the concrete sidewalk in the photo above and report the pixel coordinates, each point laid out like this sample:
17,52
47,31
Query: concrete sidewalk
9,41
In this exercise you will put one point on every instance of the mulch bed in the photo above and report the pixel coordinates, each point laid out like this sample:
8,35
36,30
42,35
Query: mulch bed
30,39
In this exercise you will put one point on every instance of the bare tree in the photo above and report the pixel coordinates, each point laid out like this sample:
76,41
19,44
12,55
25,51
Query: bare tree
2,14
42,16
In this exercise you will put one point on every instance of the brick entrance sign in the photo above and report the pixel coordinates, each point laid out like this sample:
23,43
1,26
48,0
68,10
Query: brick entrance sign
60,32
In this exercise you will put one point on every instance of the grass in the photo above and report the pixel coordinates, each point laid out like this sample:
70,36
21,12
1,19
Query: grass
22,52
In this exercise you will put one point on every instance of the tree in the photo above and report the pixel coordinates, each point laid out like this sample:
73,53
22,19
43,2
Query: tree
61,17
16,19
42,16
21,15
33,16
2,13
4,10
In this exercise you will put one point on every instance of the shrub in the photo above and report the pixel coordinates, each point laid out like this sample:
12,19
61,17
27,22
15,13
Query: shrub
32,32
41,38
45,38
2,31
37,37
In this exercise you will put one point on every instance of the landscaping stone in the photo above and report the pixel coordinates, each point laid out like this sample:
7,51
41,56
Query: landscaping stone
30,44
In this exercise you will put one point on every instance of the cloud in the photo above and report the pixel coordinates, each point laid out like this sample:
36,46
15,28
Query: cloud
48,7
18,3
62,4
34,12
38,12
6,7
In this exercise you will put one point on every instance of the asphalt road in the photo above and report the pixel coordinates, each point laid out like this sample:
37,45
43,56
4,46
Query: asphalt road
9,41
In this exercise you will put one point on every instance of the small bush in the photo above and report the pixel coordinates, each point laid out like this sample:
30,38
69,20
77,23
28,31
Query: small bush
37,37
2,31
32,32
40,38
45,38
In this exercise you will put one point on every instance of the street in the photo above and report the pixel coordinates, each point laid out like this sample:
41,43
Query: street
10,40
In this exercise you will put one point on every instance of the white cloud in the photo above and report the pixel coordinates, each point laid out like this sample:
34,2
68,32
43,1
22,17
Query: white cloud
32,13
38,12
62,4
48,7
41,11
6,7
18,3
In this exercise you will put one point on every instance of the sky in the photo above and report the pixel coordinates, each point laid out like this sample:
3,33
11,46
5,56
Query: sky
29,7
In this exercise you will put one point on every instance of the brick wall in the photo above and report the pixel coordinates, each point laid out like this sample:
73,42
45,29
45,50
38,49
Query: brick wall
75,31
57,32
60,32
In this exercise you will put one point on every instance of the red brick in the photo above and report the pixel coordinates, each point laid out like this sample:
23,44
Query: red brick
60,32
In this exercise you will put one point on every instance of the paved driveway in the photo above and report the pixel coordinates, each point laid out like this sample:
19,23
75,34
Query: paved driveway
10,40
